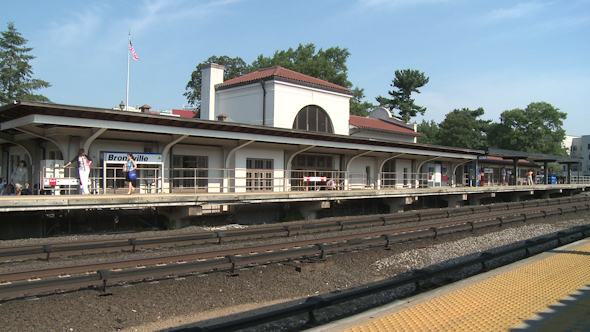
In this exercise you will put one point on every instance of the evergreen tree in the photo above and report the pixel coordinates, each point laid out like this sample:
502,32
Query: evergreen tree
462,129
430,132
16,82
406,82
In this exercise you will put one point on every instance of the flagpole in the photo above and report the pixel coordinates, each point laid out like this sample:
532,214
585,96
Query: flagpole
127,99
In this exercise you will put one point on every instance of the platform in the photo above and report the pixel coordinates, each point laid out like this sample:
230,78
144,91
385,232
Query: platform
110,201
548,292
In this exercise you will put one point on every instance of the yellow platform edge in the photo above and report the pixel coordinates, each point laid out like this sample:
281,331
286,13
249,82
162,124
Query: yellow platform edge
523,296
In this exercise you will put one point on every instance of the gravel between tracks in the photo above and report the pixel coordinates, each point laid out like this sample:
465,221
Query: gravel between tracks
157,305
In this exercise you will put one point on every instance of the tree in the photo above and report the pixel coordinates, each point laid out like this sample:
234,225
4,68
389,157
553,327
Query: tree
328,65
357,106
406,82
16,82
536,129
234,67
462,129
430,132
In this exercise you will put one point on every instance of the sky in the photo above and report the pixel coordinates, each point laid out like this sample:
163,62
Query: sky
495,54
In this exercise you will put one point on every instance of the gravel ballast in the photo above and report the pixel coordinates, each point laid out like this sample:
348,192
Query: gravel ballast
157,305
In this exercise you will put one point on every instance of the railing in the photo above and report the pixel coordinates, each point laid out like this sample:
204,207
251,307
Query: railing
399,180
580,179
58,180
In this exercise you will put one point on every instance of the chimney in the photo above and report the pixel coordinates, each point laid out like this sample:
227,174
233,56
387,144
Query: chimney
145,108
221,117
212,74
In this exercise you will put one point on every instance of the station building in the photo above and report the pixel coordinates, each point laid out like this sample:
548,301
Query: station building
271,131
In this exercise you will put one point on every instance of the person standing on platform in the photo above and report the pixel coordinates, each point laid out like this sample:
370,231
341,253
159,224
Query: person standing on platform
20,177
529,177
331,185
84,164
130,171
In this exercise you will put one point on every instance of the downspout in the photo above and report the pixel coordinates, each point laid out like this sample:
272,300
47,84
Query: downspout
263,102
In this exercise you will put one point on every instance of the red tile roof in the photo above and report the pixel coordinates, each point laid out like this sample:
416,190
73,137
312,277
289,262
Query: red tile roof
280,72
184,113
379,124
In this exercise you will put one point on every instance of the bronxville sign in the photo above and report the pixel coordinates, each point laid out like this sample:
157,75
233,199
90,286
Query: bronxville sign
139,157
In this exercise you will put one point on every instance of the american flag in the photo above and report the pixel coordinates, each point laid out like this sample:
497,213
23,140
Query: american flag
135,57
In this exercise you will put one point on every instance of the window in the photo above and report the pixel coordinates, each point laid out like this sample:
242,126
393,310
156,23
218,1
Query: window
313,118
190,172
588,146
574,148
259,176
304,161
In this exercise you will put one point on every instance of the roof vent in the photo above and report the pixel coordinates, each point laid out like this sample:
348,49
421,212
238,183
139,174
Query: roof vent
222,117
145,108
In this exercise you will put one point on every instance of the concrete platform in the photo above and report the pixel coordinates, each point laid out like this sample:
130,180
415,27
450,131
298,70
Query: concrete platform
548,292
472,195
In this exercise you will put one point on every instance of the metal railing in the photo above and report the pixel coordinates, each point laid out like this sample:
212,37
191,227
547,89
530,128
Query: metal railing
400,180
59,180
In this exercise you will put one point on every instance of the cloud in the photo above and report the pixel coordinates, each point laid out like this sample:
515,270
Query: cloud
520,10
155,12
82,26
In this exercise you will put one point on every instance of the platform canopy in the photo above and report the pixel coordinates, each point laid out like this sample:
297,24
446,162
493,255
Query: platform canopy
534,157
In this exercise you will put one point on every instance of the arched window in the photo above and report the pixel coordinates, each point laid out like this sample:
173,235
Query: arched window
313,118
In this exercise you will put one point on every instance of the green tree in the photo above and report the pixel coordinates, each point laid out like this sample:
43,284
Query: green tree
234,67
357,105
328,65
536,129
406,81
16,82
461,128
430,132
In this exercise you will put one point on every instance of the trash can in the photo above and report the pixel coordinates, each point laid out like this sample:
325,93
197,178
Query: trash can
552,179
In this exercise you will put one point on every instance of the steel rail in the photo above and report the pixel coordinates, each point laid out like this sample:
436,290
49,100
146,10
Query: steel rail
11,254
177,265
416,278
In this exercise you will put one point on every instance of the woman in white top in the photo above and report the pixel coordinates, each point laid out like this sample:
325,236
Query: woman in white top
19,177
84,163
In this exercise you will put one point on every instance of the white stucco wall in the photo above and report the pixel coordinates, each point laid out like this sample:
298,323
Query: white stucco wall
241,156
243,104
358,167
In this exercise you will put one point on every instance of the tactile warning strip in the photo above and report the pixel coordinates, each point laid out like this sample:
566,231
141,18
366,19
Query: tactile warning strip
496,304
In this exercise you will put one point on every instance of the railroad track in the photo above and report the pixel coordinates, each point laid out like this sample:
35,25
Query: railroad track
24,283
48,251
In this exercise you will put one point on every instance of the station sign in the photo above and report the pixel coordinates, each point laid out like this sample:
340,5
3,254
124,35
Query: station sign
61,182
139,157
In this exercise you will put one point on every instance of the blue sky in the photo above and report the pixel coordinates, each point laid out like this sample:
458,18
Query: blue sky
495,54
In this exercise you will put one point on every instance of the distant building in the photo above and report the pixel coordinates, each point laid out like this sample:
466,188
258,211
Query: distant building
568,144
580,148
